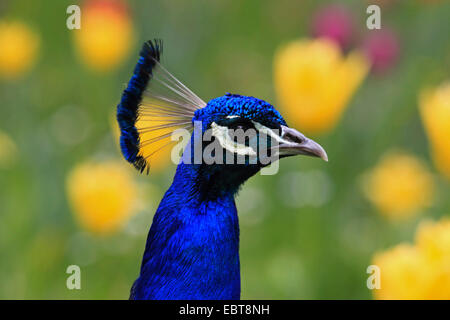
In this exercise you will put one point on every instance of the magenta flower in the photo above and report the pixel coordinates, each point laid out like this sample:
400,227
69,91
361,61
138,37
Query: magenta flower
334,22
382,48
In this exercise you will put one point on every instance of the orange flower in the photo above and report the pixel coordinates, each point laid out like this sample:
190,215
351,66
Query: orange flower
106,34
314,82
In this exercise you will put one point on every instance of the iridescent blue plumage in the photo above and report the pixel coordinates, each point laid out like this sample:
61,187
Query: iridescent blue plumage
192,249
127,110
250,108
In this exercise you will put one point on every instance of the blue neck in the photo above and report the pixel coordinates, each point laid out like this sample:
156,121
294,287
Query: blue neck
192,249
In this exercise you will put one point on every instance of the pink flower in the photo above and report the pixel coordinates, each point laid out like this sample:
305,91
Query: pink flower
382,48
334,22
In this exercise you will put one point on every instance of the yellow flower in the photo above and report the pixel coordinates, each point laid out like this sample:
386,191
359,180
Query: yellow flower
399,186
314,82
102,195
434,239
421,271
8,150
404,273
19,49
106,34
435,110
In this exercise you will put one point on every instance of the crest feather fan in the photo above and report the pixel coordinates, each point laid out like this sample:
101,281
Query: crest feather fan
153,106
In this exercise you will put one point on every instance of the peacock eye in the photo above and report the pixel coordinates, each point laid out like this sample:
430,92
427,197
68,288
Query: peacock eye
240,124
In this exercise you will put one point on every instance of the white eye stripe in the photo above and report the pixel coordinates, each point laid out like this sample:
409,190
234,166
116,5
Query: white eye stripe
270,132
222,135
225,140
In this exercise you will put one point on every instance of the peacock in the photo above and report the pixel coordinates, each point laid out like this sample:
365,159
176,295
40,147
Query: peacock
192,248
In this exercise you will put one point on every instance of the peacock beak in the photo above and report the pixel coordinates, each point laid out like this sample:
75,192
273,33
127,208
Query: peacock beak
292,143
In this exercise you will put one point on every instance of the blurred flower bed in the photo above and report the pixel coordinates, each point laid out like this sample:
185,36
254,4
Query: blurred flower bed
377,100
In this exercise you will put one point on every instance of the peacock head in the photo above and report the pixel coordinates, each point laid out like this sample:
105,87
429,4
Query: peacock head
246,131
232,136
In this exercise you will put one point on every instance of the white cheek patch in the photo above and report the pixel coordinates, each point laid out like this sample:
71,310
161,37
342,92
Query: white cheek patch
269,132
225,140
222,135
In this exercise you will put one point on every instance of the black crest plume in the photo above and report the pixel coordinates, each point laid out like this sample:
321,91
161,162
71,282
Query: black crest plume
153,105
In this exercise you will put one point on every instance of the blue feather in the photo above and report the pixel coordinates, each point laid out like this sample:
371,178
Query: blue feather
127,110
246,107
192,249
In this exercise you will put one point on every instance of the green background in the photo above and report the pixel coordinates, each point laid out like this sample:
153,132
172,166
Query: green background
315,242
